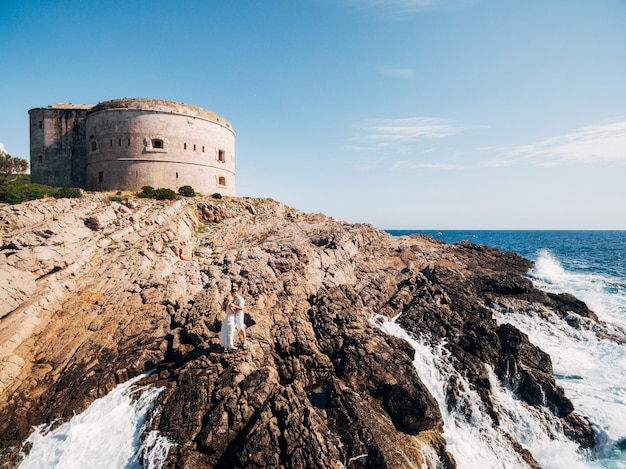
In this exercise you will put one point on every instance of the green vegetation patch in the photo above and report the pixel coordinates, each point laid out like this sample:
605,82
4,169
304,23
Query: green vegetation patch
164,194
18,192
149,192
187,191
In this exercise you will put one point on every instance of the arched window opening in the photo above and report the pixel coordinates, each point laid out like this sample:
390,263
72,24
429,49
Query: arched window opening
176,175
100,176
194,147
221,155
202,148
129,142
94,145
184,146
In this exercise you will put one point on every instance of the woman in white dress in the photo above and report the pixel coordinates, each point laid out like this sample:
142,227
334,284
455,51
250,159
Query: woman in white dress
227,333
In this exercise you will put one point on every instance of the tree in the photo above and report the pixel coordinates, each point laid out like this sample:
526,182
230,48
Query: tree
10,166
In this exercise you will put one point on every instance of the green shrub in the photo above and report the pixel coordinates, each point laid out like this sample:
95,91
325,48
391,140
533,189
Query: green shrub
18,193
37,191
216,195
147,192
116,198
187,191
11,194
68,193
164,194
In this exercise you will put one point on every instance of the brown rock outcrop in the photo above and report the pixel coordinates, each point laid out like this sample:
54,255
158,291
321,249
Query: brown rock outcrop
100,292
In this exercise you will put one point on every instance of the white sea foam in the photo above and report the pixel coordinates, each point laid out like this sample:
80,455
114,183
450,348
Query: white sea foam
106,435
605,295
591,370
470,433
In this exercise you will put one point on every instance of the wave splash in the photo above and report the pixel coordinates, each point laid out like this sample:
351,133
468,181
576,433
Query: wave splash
589,368
605,294
471,435
106,435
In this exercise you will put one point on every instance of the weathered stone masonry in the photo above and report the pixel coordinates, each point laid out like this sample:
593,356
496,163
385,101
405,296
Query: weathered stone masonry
124,144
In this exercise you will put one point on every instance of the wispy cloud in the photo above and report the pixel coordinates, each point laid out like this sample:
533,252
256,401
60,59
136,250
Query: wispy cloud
436,143
395,72
591,144
410,141
408,130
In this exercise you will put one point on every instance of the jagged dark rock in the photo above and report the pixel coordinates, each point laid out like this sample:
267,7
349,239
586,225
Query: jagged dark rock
100,292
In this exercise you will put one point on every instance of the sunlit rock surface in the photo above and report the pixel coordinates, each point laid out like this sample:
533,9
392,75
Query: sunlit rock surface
95,292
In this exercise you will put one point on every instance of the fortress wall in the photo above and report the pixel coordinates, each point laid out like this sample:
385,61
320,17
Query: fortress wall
132,143
57,145
124,144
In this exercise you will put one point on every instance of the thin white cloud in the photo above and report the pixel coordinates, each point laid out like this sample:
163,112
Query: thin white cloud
423,142
591,144
387,131
407,140
395,72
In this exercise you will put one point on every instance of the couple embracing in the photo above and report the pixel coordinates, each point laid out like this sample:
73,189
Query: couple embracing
233,307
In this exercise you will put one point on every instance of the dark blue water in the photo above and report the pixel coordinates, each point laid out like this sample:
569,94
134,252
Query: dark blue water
602,252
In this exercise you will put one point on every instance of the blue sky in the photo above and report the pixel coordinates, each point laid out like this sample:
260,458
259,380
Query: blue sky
408,114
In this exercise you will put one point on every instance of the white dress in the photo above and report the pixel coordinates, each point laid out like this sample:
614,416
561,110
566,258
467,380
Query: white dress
227,333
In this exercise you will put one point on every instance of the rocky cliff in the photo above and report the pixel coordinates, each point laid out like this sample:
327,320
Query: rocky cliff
95,292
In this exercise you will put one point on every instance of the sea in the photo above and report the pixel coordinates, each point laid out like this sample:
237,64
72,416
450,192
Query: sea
111,433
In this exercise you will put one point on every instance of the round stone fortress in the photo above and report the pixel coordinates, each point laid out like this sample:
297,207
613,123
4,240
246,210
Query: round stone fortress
124,144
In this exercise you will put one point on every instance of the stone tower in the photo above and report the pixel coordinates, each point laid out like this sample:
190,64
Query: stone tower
124,144
58,152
